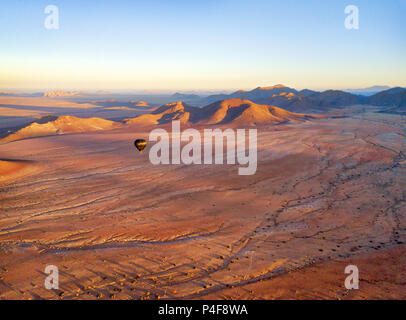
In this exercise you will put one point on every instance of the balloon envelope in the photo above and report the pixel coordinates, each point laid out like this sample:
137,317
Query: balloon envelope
140,144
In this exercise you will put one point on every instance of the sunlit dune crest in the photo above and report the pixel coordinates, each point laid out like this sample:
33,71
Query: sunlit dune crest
230,111
284,94
63,124
166,113
139,103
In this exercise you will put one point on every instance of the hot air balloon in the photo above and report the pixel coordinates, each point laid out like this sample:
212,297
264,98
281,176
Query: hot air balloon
140,144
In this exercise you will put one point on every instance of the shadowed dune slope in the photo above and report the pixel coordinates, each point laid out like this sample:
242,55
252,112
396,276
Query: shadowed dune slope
246,112
230,111
167,113
63,124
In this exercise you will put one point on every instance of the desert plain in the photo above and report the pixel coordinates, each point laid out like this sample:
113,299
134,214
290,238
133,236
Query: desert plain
328,193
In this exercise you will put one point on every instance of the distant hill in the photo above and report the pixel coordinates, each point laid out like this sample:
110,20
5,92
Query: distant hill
368,91
253,95
312,101
246,112
307,92
231,111
305,100
104,92
139,103
61,125
5,93
292,100
184,96
104,101
61,93
394,98
334,98
166,113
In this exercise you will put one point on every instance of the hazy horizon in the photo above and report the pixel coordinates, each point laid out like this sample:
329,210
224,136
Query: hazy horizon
166,91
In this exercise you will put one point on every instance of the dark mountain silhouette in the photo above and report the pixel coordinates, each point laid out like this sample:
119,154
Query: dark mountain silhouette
307,92
312,101
368,91
335,98
184,96
395,97
253,95
292,100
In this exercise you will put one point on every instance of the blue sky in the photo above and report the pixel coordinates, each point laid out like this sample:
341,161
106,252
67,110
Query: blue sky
201,45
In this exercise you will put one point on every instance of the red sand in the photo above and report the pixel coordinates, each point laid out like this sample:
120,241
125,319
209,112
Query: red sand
327,193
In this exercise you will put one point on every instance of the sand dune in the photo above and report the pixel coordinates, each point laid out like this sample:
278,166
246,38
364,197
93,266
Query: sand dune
167,113
246,112
63,124
10,168
230,111
140,103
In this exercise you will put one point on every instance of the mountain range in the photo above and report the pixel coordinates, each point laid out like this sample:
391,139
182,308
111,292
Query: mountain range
282,96
233,111
368,91
308,100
